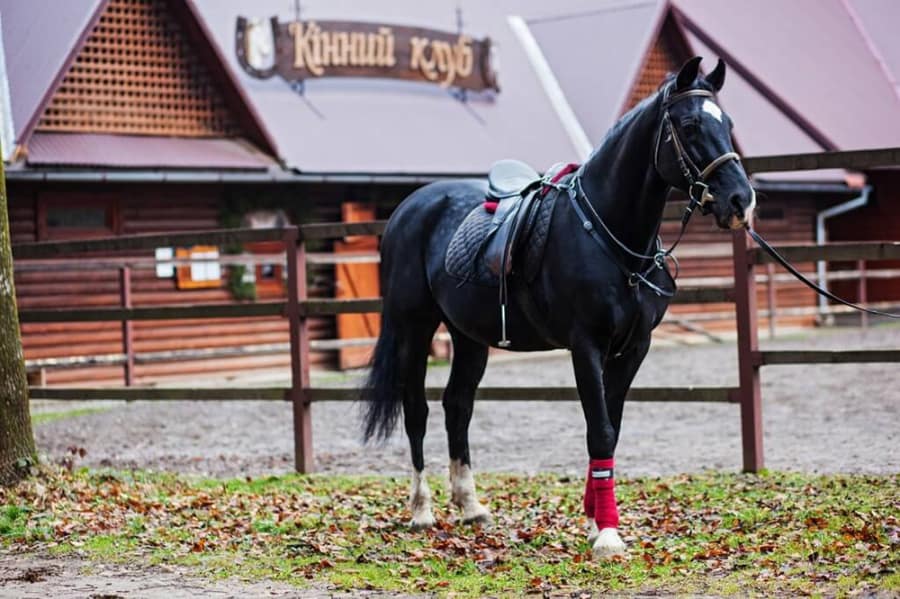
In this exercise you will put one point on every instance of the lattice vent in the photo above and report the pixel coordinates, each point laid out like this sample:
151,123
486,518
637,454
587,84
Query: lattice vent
660,62
138,74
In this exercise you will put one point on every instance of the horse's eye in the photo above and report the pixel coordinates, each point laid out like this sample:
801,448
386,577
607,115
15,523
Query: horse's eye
690,126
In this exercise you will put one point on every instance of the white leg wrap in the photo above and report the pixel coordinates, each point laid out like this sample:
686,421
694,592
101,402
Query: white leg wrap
463,495
608,543
420,502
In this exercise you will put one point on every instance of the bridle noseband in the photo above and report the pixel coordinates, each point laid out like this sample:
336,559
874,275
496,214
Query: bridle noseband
695,178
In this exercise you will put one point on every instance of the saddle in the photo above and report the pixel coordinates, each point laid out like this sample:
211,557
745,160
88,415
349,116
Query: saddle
509,229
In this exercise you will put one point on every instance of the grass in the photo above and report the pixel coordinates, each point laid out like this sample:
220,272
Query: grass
39,418
710,533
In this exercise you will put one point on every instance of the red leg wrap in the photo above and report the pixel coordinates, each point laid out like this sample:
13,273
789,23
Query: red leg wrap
603,493
588,496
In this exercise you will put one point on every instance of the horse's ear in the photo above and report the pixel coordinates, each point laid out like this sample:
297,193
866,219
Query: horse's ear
688,73
717,78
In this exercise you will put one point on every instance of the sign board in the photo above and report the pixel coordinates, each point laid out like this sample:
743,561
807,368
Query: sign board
302,50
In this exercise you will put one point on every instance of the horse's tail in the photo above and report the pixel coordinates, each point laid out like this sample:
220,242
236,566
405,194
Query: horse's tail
382,398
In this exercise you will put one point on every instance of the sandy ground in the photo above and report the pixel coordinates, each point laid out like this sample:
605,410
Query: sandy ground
822,418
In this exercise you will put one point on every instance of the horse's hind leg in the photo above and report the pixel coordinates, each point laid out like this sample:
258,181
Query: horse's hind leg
413,343
469,360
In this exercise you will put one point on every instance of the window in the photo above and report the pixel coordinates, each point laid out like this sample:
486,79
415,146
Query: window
269,276
72,216
204,273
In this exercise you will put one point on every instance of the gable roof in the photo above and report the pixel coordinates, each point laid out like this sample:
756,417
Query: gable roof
619,35
396,127
40,38
46,41
877,23
814,55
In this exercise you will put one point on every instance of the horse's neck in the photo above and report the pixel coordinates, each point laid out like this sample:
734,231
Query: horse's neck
622,183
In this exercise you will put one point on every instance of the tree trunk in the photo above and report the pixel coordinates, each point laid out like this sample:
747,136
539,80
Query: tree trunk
17,451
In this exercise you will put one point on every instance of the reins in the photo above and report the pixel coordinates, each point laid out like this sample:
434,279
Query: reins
802,278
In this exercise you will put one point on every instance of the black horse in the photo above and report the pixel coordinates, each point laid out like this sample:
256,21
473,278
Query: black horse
601,287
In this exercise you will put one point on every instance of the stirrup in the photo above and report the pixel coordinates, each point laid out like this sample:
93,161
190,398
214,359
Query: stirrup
504,342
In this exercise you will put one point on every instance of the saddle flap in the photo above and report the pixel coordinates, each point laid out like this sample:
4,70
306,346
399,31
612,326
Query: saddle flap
501,245
510,177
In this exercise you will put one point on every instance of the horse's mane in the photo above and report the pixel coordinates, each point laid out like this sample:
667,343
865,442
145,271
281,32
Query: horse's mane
625,121
620,126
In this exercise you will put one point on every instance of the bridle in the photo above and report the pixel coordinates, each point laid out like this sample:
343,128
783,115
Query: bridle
694,177
696,188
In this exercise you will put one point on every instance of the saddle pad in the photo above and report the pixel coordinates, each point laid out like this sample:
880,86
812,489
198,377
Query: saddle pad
465,248
465,257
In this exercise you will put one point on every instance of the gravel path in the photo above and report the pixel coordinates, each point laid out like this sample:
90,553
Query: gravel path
24,576
824,418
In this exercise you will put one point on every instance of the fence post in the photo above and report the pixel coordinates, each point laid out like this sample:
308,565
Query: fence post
127,327
295,248
862,296
770,296
748,354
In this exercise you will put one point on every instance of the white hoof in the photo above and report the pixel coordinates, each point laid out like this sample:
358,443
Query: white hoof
464,496
421,521
420,503
593,532
476,514
608,544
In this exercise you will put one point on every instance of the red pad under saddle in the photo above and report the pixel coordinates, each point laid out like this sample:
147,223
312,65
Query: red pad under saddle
490,205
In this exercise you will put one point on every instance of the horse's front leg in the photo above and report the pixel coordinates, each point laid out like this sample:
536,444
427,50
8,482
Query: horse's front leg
618,375
599,495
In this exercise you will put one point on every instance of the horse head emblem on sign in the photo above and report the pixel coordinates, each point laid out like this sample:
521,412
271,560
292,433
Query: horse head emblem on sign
256,45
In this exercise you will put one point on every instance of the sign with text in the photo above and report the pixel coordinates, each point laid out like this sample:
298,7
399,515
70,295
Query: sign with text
303,50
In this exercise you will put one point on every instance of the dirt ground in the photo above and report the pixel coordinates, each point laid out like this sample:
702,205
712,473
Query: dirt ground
24,576
822,418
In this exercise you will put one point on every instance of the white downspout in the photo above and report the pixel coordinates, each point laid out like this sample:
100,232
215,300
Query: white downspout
858,202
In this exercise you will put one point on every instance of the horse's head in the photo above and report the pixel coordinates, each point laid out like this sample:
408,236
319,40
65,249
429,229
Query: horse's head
260,44
694,151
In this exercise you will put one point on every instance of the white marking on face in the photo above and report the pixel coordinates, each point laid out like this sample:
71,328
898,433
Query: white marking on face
710,107
748,213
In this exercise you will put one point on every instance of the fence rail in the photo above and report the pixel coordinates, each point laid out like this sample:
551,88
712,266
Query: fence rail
316,394
298,308
834,252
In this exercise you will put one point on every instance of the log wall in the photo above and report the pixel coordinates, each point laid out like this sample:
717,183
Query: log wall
705,253
149,209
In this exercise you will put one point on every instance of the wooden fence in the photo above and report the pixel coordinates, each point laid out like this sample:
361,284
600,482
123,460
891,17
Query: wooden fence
298,308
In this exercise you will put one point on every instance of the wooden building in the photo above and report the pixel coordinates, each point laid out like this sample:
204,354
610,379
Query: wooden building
131,116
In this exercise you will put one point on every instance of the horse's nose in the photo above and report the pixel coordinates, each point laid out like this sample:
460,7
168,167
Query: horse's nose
736,201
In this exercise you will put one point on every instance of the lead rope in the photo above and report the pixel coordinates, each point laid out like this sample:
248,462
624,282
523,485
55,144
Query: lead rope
800,277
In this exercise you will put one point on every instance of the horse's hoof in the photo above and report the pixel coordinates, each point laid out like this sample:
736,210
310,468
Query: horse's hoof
480,515
608,544
421,522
